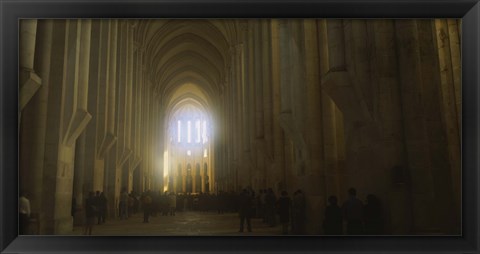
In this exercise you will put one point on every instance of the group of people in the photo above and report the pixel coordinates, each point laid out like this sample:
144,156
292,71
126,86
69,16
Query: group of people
290,212
95,210
360,219
265,205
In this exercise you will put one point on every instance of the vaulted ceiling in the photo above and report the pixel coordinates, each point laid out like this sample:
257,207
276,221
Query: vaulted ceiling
187,58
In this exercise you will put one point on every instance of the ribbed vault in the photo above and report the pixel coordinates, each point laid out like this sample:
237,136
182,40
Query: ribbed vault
186,51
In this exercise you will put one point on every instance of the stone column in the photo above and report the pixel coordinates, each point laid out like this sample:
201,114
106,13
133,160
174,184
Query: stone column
408,53
267,145
111,138
397,200
32,140
29,81
276,174
315,171
129,88
80,187
108,148
103,89
76,80
449,63
52,138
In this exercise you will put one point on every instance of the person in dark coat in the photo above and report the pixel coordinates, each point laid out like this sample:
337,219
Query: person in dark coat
147,204
90,213
270,201
284,204
245,210
372,215
333,223
102,208
298,213
353,213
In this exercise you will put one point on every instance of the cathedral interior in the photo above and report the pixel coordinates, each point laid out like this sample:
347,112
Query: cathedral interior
221,105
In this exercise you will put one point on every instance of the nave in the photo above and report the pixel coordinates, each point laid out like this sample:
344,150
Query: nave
190,223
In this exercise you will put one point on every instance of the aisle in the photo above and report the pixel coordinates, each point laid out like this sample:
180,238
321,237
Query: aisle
184,223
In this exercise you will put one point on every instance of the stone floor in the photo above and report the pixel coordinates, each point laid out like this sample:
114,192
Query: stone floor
183,224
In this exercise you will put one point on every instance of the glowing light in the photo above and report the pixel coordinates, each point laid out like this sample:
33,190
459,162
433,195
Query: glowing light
189,153
179,131
189,134
197,125
204,131
165,163
205,153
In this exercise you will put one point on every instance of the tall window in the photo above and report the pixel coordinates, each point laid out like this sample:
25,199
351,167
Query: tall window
197,126
204,131
189,133
179,131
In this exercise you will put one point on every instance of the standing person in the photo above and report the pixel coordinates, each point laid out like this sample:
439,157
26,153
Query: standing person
270,201
333,223
123,204
353,213
298,213
90,212
23,213
147,206
96,203
373,216
102,208
284,204
245,210
263,195
172,203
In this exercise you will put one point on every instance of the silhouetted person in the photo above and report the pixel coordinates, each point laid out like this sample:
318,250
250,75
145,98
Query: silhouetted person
245,210
90,212
102,208
353,213
131,203
373,216
270,201
96,203
147,206
333,223
123,204
298,213
164,206
172,203
284,204
23,213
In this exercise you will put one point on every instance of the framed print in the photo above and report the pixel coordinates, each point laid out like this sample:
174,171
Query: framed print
239,126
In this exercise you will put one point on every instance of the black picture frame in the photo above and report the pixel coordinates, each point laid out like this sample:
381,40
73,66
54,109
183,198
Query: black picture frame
12,10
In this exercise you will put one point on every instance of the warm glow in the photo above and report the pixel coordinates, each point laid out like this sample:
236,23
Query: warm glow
204,132
189,133
165,163
179,131
197,126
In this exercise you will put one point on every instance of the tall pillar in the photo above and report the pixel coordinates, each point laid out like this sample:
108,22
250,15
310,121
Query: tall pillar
76,115
414,121
29,81
315,171
449,67
109,146
397,200
32,140
276,173
110,137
